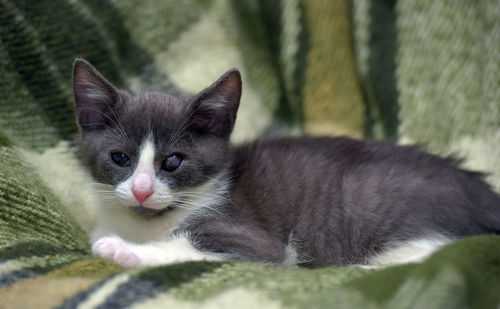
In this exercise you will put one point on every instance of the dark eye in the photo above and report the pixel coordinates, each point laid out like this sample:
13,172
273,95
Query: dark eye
172,163
120,159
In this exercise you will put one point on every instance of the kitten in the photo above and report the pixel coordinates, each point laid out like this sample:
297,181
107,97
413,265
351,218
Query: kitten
174,189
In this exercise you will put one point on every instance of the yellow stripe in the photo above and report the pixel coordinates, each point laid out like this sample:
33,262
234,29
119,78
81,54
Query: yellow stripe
332,95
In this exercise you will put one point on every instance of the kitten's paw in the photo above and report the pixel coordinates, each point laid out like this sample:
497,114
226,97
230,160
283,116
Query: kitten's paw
115,249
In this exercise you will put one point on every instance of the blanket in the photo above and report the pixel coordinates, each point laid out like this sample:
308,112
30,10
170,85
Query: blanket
411,71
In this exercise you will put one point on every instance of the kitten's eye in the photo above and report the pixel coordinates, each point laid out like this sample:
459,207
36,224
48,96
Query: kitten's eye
172,163
120,159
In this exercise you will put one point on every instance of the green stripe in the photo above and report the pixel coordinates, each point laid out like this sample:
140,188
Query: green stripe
293,32
301,65
171,276
35,248
382,88
21,43
261,24
270,17
4,141
257,43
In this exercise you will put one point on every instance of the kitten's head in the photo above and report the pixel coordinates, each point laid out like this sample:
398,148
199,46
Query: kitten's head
154,151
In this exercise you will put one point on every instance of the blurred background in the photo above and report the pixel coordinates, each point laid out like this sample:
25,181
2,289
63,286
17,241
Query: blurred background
411,71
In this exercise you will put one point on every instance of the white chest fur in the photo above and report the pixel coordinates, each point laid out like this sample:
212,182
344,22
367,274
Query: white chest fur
116,219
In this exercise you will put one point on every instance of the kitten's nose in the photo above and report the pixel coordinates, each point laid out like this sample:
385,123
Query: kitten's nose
142,186
141,196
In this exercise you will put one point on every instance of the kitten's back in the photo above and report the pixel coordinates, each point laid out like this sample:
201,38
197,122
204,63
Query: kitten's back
345,199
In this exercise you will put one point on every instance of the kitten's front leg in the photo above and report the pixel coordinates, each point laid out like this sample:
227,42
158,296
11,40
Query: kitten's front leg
176,249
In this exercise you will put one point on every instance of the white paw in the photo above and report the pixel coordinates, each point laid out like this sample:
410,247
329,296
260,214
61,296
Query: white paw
115,249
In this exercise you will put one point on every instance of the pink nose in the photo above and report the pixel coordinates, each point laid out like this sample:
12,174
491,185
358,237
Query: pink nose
142,186
141,196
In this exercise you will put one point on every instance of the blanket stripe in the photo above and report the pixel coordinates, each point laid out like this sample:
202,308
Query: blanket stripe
382,67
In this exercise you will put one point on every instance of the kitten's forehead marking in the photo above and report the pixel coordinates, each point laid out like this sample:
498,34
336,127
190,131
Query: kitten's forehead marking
147,154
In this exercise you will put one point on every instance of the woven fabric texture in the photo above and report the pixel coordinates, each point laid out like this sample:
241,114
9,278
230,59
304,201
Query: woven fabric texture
411,71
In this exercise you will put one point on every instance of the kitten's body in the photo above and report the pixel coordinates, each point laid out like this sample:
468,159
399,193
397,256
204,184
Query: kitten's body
318,201
345,201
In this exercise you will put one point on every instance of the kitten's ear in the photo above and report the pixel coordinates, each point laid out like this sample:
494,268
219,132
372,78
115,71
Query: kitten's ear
214,109
95,97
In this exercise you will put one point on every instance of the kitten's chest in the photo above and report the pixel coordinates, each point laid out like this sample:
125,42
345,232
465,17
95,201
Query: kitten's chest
129,226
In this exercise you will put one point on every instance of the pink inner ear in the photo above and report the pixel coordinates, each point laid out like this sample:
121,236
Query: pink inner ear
216,106
94,96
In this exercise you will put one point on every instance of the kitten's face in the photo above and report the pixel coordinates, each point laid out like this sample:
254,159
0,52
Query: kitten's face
153,150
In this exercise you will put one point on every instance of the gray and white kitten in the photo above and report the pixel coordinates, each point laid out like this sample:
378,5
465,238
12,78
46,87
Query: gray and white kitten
175,189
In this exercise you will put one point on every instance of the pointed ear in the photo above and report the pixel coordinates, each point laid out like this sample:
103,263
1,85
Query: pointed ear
214,109
95,97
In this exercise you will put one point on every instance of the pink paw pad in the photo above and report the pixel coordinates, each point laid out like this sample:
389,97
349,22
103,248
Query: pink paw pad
115,249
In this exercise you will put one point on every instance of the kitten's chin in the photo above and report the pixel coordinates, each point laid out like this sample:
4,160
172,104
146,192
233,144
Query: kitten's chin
150,212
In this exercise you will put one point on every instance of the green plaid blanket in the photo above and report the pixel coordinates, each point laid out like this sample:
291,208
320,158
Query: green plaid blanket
412,71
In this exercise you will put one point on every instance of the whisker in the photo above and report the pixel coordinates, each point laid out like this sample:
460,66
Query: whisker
119,125
199,195
185,123
124,135
203,206
98,183
196,210
101,187
119,137
221,185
